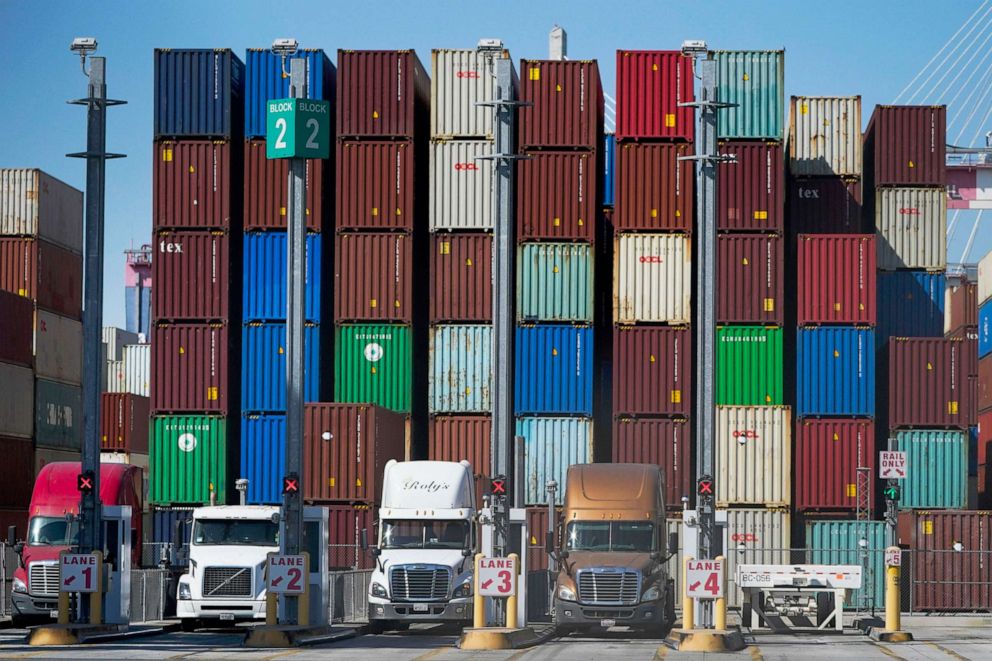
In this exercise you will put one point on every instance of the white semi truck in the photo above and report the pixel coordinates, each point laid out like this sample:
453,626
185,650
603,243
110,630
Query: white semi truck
427,542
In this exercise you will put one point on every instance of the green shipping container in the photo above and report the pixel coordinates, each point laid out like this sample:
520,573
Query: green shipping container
839,543
749,366
187,454
937,468
554,282
58,415
374,365
755,82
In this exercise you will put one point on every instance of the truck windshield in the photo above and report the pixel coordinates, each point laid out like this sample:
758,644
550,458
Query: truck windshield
636,536
222,532
52,531
424,535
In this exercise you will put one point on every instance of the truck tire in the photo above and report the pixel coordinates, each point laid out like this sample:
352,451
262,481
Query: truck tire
188,624
20,621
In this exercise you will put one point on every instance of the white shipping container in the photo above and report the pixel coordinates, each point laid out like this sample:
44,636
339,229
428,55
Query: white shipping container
825,136
115,339
461,185
58,348
460,79
44,456
133,458
912,228
753,455
17,401
985,278
755,536
33,203
137,370
652,278
115,377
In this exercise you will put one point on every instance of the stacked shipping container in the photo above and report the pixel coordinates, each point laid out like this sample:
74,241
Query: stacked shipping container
983,382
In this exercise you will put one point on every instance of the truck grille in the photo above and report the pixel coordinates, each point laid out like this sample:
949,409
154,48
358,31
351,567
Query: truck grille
608,586
227,582
43,579
416,584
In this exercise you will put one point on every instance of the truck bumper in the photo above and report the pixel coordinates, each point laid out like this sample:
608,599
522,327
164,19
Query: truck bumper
26,605
649,615
225,611
456,611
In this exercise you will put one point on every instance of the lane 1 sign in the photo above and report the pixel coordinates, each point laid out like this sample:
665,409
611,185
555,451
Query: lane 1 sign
892,465
704,579
298,128
286,574
78,572
497,577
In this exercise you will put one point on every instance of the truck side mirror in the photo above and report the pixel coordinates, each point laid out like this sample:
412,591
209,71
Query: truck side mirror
549,542
376,551
364,539
11,535
673,542
466,553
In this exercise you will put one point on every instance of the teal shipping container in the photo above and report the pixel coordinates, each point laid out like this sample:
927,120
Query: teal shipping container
937,468
838,542
755,82
554,282
461,369
551,445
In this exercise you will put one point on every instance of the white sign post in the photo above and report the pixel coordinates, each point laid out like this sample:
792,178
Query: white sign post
78,572
286,574
892,465
497,577
704,579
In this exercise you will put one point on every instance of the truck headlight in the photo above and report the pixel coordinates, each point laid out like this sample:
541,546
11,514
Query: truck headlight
463,590
566,594
19,586
379,591
651,594
184,591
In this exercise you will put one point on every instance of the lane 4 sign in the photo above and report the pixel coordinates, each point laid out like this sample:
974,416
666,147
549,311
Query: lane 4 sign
497,577
892,465
78,572
286,574
704,579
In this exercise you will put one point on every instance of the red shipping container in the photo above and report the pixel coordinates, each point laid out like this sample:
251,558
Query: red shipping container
828,454
461,277
16,329
650,86
750,195
373,279
190,368
344,539
836,279
457,437
944,578
985,383
18,482
382,93
345,450
652,370
123,423
752,279
926,383
962,307
266,188
49,275
654,189
567,104
192,186
556,197
537,531
375,186
191,272
666,442
985,438
905,146
826,205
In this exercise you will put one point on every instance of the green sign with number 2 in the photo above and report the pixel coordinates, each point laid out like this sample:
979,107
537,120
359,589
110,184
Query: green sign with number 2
298,128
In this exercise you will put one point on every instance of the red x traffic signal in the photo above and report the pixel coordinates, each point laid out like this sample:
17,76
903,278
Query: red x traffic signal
704,486
291,484
499,485
84,482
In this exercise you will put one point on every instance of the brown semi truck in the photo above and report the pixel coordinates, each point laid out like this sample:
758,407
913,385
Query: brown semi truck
613,551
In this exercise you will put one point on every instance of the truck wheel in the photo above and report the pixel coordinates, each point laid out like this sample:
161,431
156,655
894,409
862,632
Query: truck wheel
376,627
188,624
20,621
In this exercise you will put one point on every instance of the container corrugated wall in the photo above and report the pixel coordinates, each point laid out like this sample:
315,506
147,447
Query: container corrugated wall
461,79
373,363
192,275
554,282
554,370
461,369
551,445
750,196
458,437
58,348
829,205
609,168
755,82
652,370
367,105
825,136
962,307
36,204
651,85
265,191
461,277
753,455
905,146
49,275
16,327
652,278
137,369
910,304
937,468
926,383
666,442
912,228
194,185
17,404
461,185
264,80
264,291
58,415
556,196
198,93
985,278
373,277
749,364
654,190
760,536
115,377
374,186
123,423
835,371
836,279
191,365
263,360
984,330
838,542
566,100
828,454
263,457
188,454
751,274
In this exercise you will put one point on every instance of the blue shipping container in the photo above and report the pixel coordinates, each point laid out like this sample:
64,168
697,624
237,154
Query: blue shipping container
264,81
165,531
910,304
553,370
264,292
937,468
263,457
461,369
137,309
551,445
263,360
835,372
609,158
985,329
199,93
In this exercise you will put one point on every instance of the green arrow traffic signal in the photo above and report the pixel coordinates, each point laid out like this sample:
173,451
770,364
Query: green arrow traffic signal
891,493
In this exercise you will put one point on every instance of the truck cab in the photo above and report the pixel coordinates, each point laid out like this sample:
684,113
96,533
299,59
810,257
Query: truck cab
427,539
53,527
612,560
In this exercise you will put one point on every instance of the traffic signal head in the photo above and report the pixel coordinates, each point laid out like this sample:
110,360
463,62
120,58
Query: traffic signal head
499,485
892,492
85,482
704,486
291,484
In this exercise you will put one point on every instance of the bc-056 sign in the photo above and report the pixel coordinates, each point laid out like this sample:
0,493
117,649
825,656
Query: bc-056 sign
497,577
298,128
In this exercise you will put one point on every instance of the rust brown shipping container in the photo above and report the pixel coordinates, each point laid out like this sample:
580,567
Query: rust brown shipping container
825,205
16,329
945,578
752,279
926,383
985,384
969,349
654,190
18,470
191,368
750,195
373,277
828,454
344,540
556,197
192,186
652,370
461,277
666,442
265,203
836,279
567,104
345,450
382,93
962,307
537,531
375,187
49,275
192,275
905,146
457,437
123,423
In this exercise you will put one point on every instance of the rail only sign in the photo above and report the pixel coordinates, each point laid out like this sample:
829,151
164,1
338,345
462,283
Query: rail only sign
286,574
497,577
78,572
297,128
704,579
892,465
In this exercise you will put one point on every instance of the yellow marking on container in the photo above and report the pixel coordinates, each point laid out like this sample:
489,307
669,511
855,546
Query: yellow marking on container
803,109
912,164
375,114
744,262
654,67
861,306
281,351
769,305
396,303
557,87
535,73
374,371
768,399
837,307
852,490
952,407
746,77
212,394
836,353
182,350
167,155
651,358
581,223
654,213
928,527
468,262
192,169
358,481
670,119
554,269
929,366
554,352
373,303
836,436
678,214
330,482
444,248
399,212
282,211
676,397
761,215
556,222
22,292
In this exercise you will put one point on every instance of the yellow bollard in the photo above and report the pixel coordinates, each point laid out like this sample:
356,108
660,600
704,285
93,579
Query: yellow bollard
720,608
511,601
271,609
893,615
478,603
63,607
688,607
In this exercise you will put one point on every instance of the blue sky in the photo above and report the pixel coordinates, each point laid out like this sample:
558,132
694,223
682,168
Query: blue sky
873,48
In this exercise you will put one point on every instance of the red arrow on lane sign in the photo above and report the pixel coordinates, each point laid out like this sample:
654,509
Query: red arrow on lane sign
486,584
277,580
695,585
70,580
